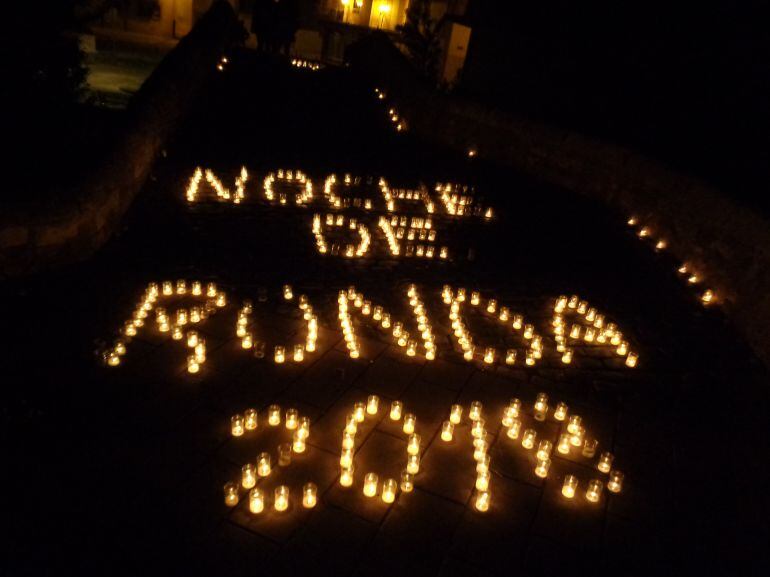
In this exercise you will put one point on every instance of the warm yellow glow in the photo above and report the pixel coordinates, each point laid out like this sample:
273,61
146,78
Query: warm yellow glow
569,487
281,499
410,421
389,488
256,501
248,475
371,481
396,408
236,425
309,495
231,494
482,501
615,482
605,462
447,431
456,414
594,491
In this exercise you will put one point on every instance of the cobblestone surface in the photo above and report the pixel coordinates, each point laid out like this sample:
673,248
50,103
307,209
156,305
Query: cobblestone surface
120,471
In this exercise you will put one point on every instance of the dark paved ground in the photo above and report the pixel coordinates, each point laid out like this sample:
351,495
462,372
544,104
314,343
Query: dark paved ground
120,471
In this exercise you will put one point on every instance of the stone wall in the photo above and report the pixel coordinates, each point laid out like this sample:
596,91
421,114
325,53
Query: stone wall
726,242
40,237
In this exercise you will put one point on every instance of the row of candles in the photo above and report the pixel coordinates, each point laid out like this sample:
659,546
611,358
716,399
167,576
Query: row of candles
455,300
215,299
262,468
460,204
420,195
598,330
392,236
351,251
222,192
707,296
306,64
296,177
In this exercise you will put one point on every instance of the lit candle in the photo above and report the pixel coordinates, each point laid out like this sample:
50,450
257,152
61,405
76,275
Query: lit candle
541,407
631,360
346,457
589,447
281,499
413,445
564,443
351,424
372,404
248,475
409,423
303,430
348,440
309,495
605,462
389,488
456,414
413,464
192,364
274,415
560,413
447,431
594,491
578,437
292,417
284,454
569,487
574,423
489,355
287,292
359,411
543,465
263,464
256,501
299,353
615,482
236,425
298,442
482,501
231,494
407,481
514,429
475,412
370,484
544,449
480,447
478,429
346,476
250,419
396,407
482,465
566,356
528,439
510,357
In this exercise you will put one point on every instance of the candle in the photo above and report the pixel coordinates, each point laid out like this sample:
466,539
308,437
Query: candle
256,501
447,431
477,429
510,357
574,423
566,356
413,445
589,447
456,414
309,495
480,447
389,488
489,355
409,423
287,292
482,481
541,470
594,491
351,425
475,412
346,458
469,352
396,407
298,442
192,364
615,482
348,440
482,501
346,476
605,462
303,430
372,404
544,449
359,412
292,417
413,464
514,429
528,439
284,454
482,465
578,437
564,444
231,494
281,499
407,481
560,413
299,353
248,475
263,464
274,415
570,486
632,359
236,425
541,407
280,354
370,484
250,419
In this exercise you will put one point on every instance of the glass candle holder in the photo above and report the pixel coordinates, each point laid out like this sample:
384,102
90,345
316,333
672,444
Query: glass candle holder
236,425
475,411
396,408
589,447
566,356
348,440
389,488
281,498
544,449
605,462
569,488
482,501
274,415
482,481
594,490
631,360
256,501
250,419
574,423
541,403
299,353
231,494
298,444
292,419
478,429
413,464
456,414
510,357
615,482
346,458
482,465
249,475
543,465
480,448
407,481
309,495
410,421
303,429
370,484
413,445
284,454
192,338
359,411
578,437
279,354
489,355
528,438
514,430
564,444
372,404
193,366
511,412
346,476
469,352
263,464
287,292
447,431
351,425
560,412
